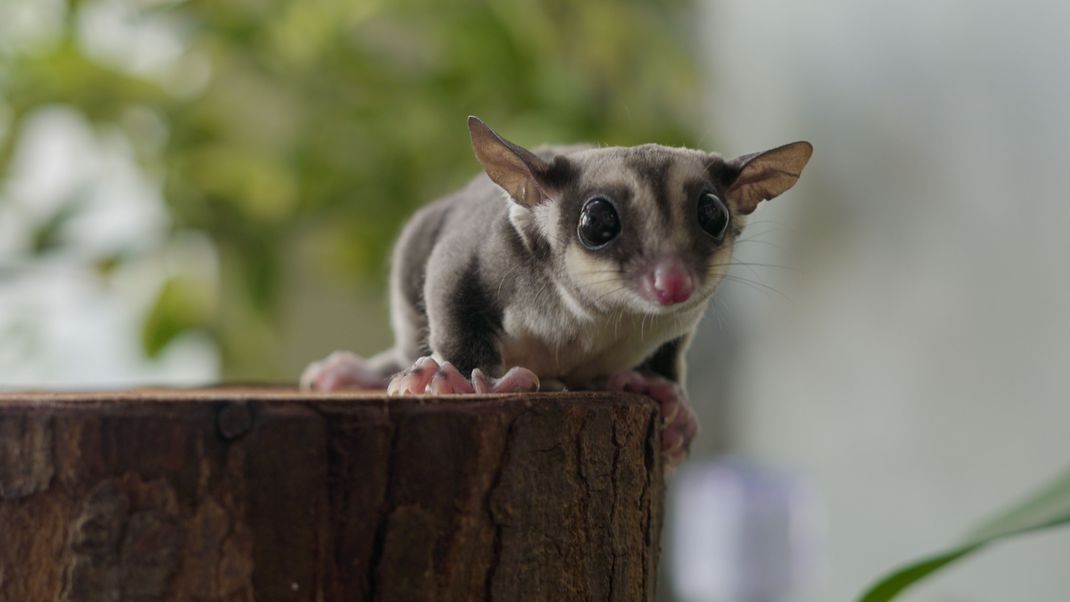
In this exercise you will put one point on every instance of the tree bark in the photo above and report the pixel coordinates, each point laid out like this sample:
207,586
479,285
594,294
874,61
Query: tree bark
233,494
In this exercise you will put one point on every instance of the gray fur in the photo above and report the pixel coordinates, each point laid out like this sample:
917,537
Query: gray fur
489,279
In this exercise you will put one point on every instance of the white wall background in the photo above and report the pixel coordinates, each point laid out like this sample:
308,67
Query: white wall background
918,377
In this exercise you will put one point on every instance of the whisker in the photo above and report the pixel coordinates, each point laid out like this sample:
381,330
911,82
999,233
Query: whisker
759,222
594,272
607,293
772,229
755,284
757,264
717,313
607,280
759,242
507,275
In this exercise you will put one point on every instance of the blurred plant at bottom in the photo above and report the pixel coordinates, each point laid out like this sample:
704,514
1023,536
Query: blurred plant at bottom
1047,508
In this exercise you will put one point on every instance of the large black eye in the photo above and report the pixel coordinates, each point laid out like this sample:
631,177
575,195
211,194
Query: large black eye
712,215
599,223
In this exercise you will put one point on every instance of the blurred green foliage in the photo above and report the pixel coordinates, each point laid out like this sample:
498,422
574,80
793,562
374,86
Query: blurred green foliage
331,120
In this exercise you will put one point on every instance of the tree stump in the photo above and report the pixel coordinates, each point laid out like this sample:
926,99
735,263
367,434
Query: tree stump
241,494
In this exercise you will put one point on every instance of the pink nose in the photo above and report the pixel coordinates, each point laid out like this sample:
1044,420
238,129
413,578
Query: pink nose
671,281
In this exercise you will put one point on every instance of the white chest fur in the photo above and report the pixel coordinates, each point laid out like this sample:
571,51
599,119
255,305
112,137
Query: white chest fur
577,351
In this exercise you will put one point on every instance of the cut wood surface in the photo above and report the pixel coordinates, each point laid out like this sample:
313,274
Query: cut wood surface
273,494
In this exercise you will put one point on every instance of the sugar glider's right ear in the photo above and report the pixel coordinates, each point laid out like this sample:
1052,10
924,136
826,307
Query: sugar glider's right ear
768,174
520,172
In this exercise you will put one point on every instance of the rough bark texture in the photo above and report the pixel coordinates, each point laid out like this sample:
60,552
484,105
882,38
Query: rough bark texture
275,495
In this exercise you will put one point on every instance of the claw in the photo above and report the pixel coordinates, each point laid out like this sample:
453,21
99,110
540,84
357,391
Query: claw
415,380
429,377
481,382
516,380
448,380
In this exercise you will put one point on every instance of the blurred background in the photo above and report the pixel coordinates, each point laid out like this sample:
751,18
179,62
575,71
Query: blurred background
201,191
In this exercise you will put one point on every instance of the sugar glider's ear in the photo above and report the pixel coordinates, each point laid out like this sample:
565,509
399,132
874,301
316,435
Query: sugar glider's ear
766,175
523,174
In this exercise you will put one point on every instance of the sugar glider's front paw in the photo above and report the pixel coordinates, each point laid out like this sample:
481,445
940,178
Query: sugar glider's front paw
427,376
339,370
679,423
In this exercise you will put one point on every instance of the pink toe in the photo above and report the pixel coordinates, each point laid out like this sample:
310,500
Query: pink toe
402,384
626,381
515,380
395,384
481,382
422,374
439,386
339,370
671,440
679,424
616,382
328,382
674,459
415,380
457,380
670,411
425,367
448,381
665,391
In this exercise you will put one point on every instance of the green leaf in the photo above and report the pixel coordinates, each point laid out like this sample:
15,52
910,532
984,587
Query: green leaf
1045,509
181,305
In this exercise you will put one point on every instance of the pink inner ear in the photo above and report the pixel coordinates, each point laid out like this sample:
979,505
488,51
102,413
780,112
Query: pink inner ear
768,175
752,188
510,166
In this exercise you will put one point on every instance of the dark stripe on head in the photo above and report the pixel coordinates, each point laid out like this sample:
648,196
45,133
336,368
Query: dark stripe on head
653,171
560,174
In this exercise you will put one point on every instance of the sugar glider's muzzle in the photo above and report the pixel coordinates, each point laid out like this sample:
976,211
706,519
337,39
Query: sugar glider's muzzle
669,282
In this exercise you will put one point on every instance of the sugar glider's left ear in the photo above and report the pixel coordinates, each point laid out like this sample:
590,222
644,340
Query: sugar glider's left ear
522,173
768,174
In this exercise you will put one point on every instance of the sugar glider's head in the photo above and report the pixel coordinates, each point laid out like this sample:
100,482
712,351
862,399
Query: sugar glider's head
647,228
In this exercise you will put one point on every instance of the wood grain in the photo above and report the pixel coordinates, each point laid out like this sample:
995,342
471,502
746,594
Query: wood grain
271,494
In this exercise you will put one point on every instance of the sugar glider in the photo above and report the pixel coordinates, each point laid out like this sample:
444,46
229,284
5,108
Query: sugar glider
575,267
